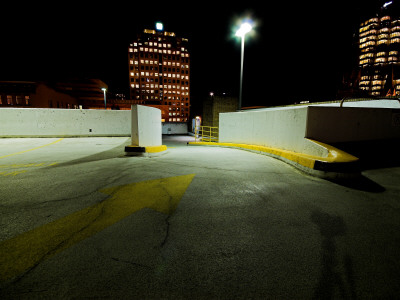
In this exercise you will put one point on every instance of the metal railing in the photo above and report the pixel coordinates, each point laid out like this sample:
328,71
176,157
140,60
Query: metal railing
206,134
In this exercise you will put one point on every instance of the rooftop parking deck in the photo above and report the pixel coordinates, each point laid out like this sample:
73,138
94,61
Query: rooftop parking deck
80,219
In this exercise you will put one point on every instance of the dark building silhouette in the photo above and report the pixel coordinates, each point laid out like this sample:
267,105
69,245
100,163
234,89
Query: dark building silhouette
30,94
215,104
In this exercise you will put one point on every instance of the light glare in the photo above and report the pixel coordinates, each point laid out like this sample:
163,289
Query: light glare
159,26
244,28
387,4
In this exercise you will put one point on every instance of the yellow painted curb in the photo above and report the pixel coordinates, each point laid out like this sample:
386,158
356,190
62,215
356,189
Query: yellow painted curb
155,149
302,159
309,161
335,155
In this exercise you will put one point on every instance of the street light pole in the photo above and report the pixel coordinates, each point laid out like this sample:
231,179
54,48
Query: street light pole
105,102
244,28
241,74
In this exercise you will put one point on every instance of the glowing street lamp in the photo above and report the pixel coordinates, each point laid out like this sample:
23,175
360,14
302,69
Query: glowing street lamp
105,103
159,26
241,32
387,4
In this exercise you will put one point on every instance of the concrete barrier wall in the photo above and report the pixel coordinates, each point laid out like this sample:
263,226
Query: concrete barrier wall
146,126
289,128
350,124
30,122
174,128
282,128
379,103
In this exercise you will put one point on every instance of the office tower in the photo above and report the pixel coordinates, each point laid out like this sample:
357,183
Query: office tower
159,73
379,52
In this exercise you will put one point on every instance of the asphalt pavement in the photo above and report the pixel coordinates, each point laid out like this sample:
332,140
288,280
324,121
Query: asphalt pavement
79,219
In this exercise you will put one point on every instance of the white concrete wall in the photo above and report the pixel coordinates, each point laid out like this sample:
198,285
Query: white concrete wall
174,128
289,128
146,126
282,128
379,103
349,124
32,122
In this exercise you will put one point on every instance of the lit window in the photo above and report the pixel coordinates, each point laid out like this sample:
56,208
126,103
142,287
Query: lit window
380,42
9,100
394,34
18,100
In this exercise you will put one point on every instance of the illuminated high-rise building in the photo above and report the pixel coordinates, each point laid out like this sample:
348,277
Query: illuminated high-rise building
379,52
159,73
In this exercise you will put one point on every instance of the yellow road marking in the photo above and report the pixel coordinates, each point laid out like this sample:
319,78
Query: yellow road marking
13,173
24,151
12,170
25,251
30,165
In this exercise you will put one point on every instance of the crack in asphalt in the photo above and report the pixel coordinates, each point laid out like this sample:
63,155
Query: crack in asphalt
130,263
60,245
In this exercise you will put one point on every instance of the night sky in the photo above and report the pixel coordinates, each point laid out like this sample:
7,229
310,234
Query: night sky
300,49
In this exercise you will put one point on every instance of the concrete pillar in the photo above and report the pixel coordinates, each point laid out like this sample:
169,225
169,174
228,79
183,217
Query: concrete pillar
146,126
146,131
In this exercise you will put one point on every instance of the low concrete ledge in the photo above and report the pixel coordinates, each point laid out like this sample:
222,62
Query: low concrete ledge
338,164
145,151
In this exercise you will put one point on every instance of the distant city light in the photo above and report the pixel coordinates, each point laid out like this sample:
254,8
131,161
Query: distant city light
105,101
159,26
387,4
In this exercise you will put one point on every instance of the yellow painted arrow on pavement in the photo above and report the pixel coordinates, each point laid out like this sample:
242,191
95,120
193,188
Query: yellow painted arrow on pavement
25,251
